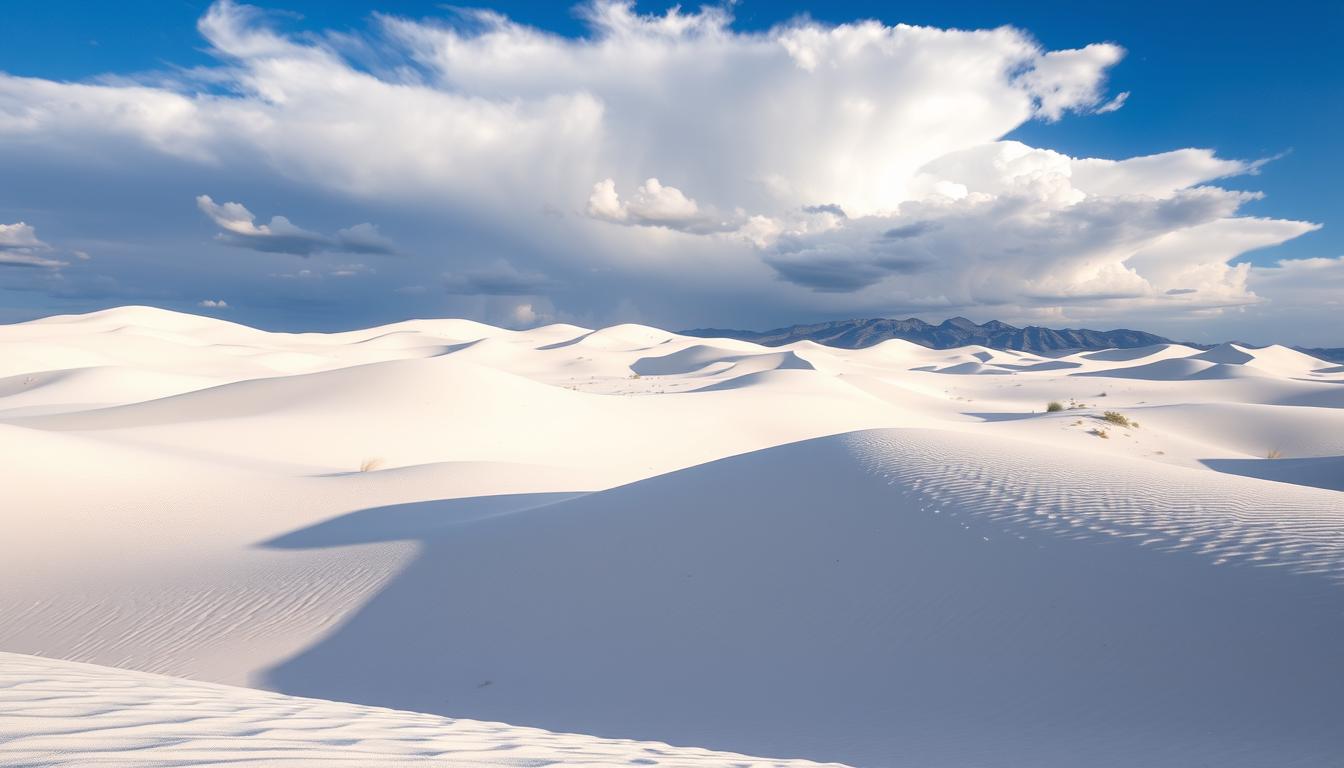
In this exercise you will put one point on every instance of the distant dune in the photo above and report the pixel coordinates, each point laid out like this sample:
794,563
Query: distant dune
959,332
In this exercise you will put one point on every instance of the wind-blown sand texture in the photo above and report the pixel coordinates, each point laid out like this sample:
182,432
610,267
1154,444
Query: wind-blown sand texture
883,557
59,713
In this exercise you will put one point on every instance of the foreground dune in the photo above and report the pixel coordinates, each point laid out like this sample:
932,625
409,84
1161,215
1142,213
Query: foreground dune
58,713
888,556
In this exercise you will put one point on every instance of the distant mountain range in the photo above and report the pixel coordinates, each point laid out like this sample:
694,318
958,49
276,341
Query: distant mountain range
958,332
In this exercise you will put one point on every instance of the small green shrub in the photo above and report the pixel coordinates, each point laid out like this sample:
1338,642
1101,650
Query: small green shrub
1054,406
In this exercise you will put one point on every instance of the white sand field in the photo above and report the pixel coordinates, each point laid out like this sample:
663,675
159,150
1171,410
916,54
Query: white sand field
881,557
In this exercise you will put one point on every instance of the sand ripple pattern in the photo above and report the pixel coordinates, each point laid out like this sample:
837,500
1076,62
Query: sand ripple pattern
168,628
1230,520
56,714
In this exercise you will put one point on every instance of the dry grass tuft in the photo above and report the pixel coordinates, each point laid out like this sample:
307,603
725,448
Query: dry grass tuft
369,465
1273,453
1103,434
1116,418
1054,406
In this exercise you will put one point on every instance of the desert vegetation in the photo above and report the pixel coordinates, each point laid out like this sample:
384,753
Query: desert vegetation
1118,419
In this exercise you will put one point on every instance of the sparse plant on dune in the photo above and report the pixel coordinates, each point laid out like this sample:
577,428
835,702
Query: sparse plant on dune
1054,406
1274,453
369,465
1116,418
1103,434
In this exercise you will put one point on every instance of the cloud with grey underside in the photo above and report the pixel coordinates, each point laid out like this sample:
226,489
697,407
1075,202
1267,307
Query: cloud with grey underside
20,247
238,228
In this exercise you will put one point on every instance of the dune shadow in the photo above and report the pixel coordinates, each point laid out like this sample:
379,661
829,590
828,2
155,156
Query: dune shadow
1125,354
1048,365
1317,472
563,343
1001,416
413,520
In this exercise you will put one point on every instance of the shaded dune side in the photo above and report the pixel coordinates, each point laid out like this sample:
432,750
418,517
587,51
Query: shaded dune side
959,583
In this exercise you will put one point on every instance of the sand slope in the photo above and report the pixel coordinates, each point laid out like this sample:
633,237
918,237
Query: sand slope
917,606
57,713
889,556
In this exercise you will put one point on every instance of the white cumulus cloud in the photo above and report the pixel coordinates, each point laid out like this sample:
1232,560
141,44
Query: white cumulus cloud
655,204
674,163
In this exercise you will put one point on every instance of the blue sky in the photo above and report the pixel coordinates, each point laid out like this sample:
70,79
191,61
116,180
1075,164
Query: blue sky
1248,86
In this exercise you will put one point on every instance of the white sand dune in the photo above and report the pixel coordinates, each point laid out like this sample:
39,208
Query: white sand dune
880,557
1150,353
950,587
59,714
